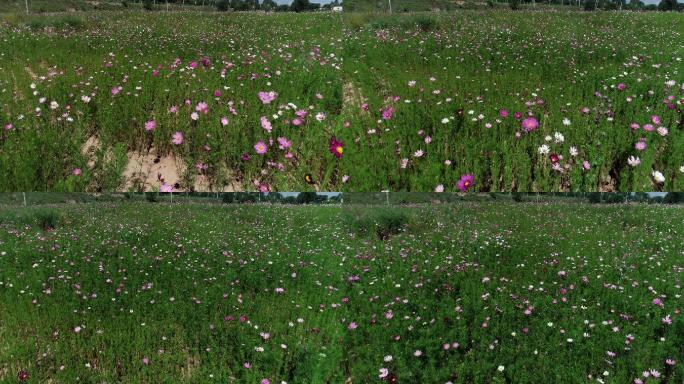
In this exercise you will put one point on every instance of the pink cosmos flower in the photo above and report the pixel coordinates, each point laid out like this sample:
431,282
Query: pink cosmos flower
267,97
166,188
177,138
284,143
150,125
387,113
76,171
265,124
530,124
260,148
640,145
202,107
224,121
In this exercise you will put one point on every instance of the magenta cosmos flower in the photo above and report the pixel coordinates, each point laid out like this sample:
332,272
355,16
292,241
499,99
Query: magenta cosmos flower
466,182
260,147
530,124
177,138
267,97
336,147
387,113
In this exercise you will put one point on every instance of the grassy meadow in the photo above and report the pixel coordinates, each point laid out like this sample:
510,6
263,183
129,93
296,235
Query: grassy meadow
451,293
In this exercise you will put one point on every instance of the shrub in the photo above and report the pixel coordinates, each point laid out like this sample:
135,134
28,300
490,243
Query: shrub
124,3
595,197
514,4
222,5
427,23
148,5
517,197
589,5
151,197
47,218
381,222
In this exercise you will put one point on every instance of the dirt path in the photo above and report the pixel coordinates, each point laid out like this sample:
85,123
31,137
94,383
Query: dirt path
147,171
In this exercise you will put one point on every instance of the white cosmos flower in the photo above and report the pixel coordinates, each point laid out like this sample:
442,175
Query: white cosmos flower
681,169
559,137
445,120
566,121
658,177
573,151
383,373
544,149
633,161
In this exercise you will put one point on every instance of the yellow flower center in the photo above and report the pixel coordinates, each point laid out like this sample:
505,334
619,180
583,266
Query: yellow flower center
339,149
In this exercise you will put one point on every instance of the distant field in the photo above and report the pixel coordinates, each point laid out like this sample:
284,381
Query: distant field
460,293
47,6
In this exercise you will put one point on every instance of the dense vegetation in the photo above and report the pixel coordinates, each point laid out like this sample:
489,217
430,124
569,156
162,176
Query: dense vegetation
461,293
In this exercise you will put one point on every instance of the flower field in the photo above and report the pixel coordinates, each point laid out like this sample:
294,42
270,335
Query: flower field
457,293
530,101
488,100
168,101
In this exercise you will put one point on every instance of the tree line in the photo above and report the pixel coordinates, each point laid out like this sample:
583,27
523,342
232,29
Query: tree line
243,5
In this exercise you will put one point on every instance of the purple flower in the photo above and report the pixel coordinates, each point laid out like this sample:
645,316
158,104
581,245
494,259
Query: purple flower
466,182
